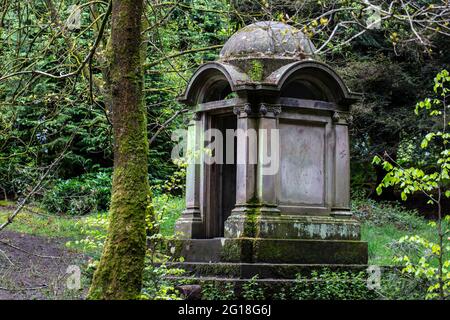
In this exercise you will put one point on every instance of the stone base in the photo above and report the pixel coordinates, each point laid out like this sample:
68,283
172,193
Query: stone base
258,250
190,225
283,226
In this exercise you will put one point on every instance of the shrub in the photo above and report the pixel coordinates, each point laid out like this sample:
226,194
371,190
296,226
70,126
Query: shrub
79,196
156,285
321,284
166,210
386,213
251,290
218,291
93,230
421,259
330,285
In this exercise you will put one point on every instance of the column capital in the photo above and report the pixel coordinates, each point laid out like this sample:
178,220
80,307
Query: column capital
268,110
341,117
243,110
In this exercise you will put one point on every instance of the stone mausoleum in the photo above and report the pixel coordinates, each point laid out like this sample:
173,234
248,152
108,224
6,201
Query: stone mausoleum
267,77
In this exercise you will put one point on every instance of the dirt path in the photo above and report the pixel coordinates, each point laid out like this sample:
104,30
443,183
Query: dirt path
33,267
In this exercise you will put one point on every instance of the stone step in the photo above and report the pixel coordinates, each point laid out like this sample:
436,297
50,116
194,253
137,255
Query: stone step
259,250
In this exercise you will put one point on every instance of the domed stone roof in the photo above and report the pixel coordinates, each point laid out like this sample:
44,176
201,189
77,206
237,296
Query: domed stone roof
268,39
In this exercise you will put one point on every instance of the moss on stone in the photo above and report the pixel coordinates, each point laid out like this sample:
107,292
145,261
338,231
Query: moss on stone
256,72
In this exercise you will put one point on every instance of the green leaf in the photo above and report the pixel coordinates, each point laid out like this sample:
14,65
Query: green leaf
379,190
404,197
376,160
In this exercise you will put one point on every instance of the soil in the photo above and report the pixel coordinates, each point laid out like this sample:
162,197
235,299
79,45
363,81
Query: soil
33,267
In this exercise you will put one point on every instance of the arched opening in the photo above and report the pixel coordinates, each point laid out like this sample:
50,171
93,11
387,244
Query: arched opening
213,82
312,80
302,89
215,90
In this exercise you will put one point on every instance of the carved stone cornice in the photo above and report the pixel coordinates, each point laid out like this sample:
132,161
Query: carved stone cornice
264,110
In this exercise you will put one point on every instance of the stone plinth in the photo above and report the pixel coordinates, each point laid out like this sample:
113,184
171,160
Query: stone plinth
257,250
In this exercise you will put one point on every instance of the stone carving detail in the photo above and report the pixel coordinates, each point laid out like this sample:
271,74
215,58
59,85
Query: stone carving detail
336,116
265,108
196,116
246,108
341,117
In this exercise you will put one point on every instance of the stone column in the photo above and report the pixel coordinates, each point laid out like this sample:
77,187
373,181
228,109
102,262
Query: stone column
191,225
256,213
247,157
341,202
268,159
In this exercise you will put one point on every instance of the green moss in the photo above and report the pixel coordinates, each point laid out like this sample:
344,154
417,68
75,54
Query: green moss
251,223
231,251
251,226
256,71
119,274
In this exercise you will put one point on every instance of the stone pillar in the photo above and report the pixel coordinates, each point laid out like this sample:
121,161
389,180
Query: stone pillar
256,213
247,157
268,159
341,202
191,225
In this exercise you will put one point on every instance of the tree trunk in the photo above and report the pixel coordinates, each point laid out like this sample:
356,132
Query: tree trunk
119,273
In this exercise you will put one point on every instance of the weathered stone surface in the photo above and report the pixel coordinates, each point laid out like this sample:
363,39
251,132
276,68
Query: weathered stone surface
293,227
269,39
256,250
190,291
302,175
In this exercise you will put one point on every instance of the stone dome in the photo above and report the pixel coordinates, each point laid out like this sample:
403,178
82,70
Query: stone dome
268,39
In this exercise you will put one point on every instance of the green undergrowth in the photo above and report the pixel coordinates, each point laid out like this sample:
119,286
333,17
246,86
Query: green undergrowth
384,223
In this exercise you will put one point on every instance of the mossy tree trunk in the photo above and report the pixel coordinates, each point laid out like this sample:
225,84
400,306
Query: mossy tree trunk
119,273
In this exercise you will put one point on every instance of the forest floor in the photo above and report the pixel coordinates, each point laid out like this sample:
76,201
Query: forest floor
34,257
35,267
37,248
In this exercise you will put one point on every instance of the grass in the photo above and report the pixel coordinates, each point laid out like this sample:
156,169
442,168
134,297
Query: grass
169,210
85,233
32,221
379,239
383,224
